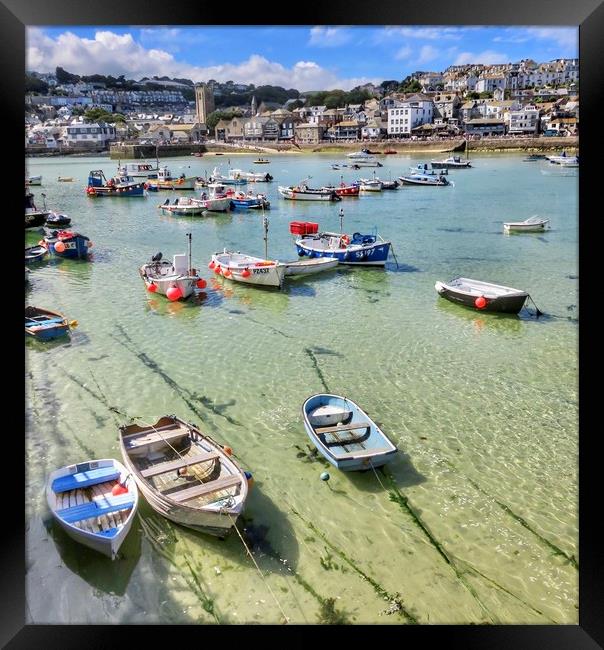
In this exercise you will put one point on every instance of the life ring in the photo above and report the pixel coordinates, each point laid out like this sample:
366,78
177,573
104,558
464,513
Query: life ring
345,240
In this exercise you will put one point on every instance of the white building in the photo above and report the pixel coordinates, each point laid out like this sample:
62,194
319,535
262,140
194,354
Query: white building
524,120
408,114
78,133
489,83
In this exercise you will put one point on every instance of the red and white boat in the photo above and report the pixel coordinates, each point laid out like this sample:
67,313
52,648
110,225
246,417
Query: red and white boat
247,269
343,189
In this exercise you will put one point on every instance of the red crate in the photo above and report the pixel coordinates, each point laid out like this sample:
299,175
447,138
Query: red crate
297,227
312,228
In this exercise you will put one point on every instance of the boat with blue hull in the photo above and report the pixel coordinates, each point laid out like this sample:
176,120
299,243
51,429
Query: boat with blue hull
250,201
360,250
66,243
120,186
344,434
44,324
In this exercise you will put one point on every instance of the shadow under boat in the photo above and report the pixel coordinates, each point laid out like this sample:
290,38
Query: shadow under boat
111,577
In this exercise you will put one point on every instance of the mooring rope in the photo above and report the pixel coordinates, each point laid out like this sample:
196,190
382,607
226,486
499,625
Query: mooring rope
258,568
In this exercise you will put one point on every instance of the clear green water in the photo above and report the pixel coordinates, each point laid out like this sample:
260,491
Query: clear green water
475,521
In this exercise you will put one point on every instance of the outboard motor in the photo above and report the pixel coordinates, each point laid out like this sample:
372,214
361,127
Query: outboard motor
157,257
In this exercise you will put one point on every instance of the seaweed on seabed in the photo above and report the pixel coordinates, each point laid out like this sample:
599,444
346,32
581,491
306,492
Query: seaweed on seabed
329,615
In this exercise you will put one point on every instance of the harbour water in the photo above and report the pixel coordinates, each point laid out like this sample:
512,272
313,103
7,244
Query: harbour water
475,521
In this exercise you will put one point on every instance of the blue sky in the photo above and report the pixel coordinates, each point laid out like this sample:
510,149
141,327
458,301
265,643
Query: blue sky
306,58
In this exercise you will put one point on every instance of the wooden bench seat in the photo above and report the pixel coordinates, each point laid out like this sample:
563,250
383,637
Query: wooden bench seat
362,454
85,479
96,508
162,468
343,427
147,437
205,488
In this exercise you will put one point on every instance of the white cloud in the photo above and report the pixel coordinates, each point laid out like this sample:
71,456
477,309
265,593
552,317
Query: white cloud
328,36
486,57
114,54
427,54
404,53
427,33
564,37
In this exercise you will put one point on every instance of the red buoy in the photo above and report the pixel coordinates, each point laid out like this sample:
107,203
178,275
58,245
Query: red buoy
211,265
152,287
480,302
118,488
201,283
173,293
245,273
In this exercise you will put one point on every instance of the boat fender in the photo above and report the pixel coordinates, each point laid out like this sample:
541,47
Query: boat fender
250,479
480,302
228,451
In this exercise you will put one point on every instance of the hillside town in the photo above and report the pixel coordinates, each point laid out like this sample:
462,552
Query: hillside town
523,99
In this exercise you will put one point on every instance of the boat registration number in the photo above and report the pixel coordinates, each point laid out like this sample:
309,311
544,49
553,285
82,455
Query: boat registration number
261,270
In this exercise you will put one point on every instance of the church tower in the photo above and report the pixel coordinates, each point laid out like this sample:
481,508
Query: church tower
254,106
204,102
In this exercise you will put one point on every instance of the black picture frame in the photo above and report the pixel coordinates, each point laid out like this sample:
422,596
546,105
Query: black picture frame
588,15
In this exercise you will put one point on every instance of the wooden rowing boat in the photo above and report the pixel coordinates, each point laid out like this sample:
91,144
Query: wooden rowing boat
184,474
94,502
344,434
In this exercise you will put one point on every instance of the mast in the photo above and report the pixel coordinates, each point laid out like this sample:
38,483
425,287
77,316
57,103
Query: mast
342,220
265,224
190,262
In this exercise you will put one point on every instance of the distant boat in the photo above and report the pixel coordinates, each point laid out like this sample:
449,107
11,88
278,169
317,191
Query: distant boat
65,179
424,179
343,189
344,434
250,177
422,168
44,324
231,179
482,296
34,217
370,185
120,186
165,181
261,161
360,250
453,162
95,503
302,192
215,199
364,158
176,280
390,185
307,267
55,220
250,201
33,180
532,224
247,269
183,206
67,243
563,157
138,170
185,475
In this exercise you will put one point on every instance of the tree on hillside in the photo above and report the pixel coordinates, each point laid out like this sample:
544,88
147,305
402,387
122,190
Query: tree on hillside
101,115
215,117
389,86
35,85
64,77
410,85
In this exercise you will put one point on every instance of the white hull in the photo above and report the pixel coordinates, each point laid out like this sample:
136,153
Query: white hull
34,180
306,267
293,195
151,274
260,273
522,226
86,531
176,184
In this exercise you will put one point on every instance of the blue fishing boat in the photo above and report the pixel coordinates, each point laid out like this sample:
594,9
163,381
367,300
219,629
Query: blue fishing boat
44,324
35,254
360,250
344,434
120,186
250,201
66,243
